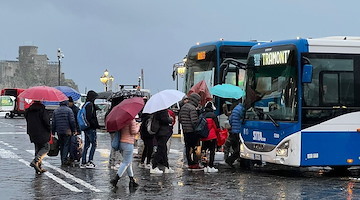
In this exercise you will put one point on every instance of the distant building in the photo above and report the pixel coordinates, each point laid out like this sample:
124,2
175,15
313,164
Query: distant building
31,69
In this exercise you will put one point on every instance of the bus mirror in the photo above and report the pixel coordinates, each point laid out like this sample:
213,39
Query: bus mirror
307,73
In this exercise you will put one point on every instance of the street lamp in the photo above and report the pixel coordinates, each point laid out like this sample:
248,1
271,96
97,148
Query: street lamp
178,69
107,80
60,55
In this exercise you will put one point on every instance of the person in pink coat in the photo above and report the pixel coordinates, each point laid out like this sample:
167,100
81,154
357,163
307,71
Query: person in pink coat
127,139
210,142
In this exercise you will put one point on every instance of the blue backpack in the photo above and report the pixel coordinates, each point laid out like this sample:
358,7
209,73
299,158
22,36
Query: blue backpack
202,127
81,118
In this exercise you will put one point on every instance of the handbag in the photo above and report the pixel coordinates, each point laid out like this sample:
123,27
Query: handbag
115,143
54,146
222,137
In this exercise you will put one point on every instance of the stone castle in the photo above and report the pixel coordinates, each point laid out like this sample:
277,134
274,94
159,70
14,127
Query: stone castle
31,69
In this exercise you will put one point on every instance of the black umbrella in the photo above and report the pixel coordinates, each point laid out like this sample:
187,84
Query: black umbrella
125,94
104,95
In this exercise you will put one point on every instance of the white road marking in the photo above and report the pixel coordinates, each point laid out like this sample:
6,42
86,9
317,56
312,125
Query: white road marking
58,180
67,175
7,154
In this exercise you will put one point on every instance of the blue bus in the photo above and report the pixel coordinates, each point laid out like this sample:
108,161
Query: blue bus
216,62
302,105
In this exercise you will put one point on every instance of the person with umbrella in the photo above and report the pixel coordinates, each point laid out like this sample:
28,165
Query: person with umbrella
90,133
188,118
63,124
162,136
122,119
234,138
115,156
38,129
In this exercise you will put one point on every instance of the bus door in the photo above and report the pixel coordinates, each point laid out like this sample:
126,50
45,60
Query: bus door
232,72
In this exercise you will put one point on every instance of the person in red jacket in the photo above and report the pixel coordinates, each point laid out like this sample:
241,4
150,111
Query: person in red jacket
210,142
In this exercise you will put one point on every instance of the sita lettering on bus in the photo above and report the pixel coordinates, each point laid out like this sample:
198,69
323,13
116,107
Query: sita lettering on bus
275,58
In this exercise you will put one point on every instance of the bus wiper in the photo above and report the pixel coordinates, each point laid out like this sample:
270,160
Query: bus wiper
272,120
269,116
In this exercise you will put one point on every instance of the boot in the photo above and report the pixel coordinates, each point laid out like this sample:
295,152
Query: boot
35,165
42,170
115,180
132,182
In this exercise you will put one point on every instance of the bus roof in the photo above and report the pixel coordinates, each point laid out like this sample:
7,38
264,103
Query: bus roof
229,43
333,44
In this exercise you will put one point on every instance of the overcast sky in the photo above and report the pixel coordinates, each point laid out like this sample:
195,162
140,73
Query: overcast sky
125,36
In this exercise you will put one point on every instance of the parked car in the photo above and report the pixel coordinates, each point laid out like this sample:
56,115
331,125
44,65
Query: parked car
103,107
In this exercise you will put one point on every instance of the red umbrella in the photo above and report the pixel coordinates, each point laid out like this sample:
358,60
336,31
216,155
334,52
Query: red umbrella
43,93
123,113
202,89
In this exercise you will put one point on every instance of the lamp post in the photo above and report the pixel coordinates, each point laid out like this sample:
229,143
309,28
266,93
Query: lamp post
107,80
178,69
60,55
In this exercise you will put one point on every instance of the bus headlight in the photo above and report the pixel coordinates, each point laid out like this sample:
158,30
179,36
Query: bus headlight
282,150
241,147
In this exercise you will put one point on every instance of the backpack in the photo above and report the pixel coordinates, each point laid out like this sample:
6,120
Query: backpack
201,127
152,125
81,118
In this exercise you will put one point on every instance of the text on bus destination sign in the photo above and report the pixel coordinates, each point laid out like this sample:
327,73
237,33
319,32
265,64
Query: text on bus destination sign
275,57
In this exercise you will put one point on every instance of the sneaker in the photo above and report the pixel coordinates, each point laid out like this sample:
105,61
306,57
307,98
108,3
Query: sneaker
148,166
212,170
168,170
83,165
206,169
90,165
156,170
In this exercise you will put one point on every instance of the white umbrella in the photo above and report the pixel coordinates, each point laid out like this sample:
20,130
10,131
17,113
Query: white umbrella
163,100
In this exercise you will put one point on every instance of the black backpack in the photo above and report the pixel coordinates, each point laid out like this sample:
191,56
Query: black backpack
201,127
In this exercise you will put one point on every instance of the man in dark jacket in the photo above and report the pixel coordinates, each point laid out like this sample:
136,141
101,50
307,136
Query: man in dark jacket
38,129
64,125
188,118
90,133
234,136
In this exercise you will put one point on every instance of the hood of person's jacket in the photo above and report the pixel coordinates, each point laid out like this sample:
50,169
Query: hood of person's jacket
36,106
91,95
64,103
194,98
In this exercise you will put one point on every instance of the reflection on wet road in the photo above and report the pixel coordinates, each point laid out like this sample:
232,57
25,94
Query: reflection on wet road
18,180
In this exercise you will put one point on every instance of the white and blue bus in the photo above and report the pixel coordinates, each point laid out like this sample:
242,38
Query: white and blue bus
206,62
302,105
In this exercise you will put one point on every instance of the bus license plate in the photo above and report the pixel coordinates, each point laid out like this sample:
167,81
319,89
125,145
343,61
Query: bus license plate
257,157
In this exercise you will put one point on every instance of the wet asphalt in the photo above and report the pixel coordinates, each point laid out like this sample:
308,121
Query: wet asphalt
19,181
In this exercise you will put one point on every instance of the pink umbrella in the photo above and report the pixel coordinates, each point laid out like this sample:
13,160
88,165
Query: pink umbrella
43,93
123,113
202,89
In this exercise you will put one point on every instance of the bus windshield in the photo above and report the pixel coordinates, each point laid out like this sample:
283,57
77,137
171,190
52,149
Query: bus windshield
271,85
200,65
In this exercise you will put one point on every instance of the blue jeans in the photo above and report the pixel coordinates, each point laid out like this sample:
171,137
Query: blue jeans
90,138
126,164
